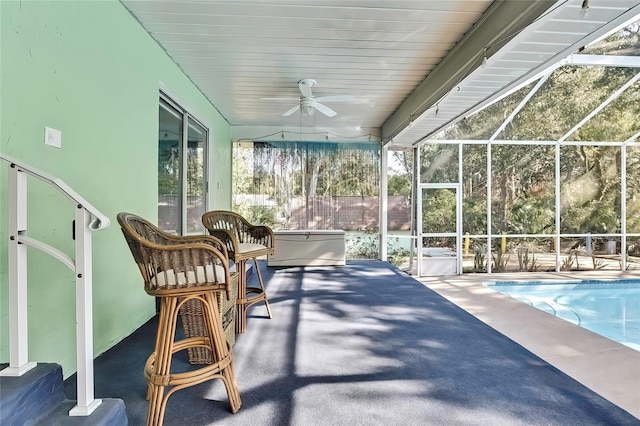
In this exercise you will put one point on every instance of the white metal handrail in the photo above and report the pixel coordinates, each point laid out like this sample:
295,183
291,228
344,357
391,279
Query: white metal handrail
100,221
87,219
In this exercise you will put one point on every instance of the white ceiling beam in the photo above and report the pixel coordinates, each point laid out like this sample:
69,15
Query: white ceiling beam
604,60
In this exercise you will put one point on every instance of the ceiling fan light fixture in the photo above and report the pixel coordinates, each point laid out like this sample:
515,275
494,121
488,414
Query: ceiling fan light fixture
307,109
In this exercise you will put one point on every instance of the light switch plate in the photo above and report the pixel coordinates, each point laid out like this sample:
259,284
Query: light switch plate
52,137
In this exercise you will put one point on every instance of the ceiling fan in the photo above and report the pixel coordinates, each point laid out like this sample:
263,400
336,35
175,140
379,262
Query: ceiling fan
308,104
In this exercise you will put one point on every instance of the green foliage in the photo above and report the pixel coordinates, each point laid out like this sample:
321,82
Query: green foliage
479,258
522,194
531,216
474,214
439,210
526,263
500,260
634,250
363,247
474,189
195,172
599,264
368,247
567,262
396,254
591,189
288,170
483,125
259,215
572,259
169,170
399,185
439,163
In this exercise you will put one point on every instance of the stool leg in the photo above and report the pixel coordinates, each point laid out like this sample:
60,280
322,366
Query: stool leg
264,292
220,349
159,378
241,313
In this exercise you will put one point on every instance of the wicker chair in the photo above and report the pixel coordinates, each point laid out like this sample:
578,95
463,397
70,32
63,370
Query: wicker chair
244,241
189,275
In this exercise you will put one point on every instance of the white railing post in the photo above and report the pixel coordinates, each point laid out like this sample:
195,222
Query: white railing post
86,404
18,329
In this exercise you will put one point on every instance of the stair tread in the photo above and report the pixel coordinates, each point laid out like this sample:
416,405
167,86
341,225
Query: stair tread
38,391
37,398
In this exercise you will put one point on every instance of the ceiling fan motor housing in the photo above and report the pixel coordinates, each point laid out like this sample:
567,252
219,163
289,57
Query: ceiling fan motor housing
307,82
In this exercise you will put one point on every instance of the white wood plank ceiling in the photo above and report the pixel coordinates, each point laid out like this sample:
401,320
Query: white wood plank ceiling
397,58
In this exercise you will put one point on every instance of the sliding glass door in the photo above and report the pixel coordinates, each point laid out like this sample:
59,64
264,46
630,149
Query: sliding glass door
182,184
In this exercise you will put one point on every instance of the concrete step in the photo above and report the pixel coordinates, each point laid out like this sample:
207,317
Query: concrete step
37,398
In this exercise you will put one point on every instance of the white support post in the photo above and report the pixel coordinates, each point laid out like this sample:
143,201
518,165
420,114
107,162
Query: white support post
417,202
86,403
557,203
384,200
623,208
459,206
18,329
489,205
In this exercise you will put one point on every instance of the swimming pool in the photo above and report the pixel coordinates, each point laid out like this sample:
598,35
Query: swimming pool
610,308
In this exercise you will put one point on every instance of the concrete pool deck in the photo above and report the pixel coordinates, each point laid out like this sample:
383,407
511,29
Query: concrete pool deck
608,368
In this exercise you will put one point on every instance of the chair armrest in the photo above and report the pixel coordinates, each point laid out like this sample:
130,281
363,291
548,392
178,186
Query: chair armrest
228,239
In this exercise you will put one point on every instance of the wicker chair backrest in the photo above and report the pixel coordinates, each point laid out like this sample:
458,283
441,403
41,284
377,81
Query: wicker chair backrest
234,229
168,262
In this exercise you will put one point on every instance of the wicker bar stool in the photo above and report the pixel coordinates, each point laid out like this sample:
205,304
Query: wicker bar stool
189,275
244,241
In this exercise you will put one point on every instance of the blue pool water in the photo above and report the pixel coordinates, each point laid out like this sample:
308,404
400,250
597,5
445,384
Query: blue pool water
609,308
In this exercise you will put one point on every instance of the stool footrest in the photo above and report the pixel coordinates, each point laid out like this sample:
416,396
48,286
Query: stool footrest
259,297
187,378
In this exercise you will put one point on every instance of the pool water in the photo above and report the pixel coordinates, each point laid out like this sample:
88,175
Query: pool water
609,308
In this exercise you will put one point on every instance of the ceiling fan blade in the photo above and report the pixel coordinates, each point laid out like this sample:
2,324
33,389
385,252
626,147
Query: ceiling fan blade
305,89
336,98
325,109
288,99
291,111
